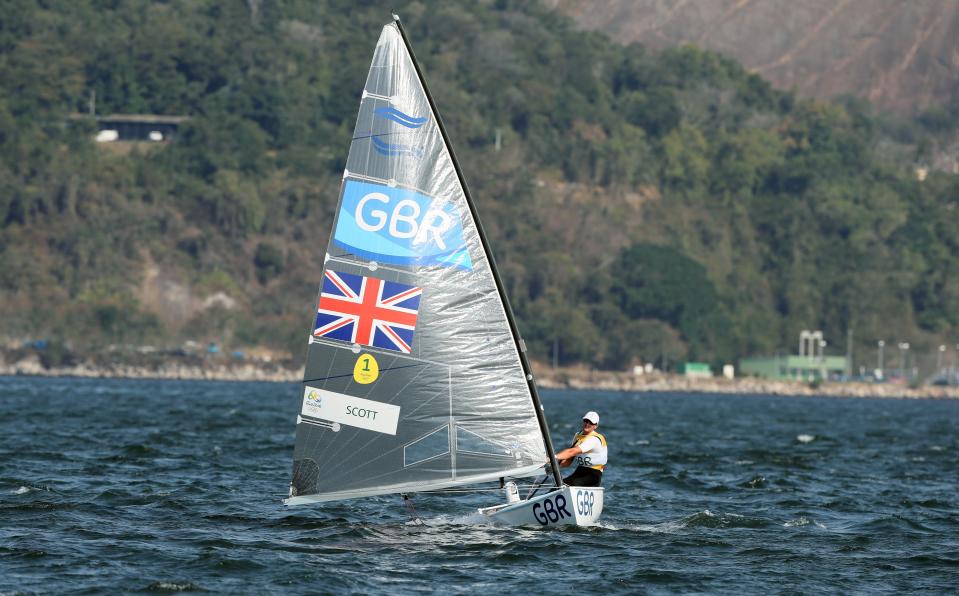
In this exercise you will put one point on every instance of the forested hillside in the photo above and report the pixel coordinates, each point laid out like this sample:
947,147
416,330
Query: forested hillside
642,205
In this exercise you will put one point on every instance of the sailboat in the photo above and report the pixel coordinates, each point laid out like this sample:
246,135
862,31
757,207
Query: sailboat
416,377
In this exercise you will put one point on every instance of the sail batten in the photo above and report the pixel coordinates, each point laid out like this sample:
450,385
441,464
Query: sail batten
413,377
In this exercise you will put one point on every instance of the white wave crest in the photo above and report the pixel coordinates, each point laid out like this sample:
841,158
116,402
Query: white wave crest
802,521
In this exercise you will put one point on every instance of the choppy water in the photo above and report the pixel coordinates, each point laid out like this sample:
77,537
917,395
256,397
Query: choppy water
125,486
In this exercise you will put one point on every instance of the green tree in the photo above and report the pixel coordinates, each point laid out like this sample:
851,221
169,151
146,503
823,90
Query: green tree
268,260
658,282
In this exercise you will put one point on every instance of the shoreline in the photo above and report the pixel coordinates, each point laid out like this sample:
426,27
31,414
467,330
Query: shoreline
546,378
580,379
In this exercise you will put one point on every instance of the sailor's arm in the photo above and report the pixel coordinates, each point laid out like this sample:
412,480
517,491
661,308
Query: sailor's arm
565,457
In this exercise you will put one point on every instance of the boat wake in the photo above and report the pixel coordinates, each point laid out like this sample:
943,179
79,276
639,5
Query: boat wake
704,519
464,519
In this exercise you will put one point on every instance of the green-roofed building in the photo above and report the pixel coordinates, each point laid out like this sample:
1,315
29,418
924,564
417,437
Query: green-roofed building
695,369
803,368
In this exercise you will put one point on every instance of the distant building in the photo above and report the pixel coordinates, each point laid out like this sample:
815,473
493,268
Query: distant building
811,363
801,368
695,369
147,128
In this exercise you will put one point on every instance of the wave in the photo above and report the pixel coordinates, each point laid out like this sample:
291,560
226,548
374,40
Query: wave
934,561
708,519
169,501
133,451
162,586
791,460
928,503
803,521
703,519
681,479
41,506
895,524
754,482
27,487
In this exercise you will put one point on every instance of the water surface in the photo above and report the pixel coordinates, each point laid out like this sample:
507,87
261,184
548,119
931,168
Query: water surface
119,485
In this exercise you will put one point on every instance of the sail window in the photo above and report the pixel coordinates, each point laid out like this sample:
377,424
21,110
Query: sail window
470,442
431,446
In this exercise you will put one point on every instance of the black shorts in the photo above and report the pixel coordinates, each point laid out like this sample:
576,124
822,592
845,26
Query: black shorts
584,476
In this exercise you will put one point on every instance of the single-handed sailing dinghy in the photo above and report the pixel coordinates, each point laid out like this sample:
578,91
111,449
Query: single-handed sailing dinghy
416,377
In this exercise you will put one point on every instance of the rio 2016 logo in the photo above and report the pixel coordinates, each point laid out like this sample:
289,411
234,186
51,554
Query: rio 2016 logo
314,398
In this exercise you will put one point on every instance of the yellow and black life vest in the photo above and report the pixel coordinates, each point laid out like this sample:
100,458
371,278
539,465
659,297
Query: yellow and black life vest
596,458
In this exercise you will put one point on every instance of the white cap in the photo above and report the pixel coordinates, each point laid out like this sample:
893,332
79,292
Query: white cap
592,417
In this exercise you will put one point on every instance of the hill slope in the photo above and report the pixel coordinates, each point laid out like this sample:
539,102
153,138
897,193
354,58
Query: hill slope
900,55
642,205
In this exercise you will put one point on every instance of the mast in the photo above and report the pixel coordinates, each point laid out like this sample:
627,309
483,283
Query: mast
514,330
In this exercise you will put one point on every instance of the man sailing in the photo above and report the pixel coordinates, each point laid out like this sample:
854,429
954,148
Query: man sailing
589,452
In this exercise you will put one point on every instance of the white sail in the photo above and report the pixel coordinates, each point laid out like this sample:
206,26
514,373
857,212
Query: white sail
413,377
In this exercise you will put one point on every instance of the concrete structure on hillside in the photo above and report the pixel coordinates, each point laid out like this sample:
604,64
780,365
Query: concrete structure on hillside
144,128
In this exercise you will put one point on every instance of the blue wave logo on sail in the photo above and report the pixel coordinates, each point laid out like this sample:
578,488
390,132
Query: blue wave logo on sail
400,227
391,149
400,118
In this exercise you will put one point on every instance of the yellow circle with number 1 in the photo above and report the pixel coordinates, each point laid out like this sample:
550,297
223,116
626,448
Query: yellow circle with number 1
366,369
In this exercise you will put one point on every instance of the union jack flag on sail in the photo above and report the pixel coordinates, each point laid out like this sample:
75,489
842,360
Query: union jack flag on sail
368,311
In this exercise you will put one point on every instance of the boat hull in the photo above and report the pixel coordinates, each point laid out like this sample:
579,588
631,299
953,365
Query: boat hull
566,506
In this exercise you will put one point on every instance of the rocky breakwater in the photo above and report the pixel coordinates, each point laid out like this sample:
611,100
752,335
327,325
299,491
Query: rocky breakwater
579,378
194,369
546,377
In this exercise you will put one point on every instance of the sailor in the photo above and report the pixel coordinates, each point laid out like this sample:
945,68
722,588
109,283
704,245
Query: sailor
588,451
